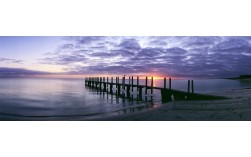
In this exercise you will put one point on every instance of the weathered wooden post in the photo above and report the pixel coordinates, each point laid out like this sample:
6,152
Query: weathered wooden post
128,89
118,87
164,92
132,86
170,83
152,86
104,84
165,83
138,92
107,85
188,86
123,82
137,83
100,83
95,83
111,85
192,87
90,81
146,87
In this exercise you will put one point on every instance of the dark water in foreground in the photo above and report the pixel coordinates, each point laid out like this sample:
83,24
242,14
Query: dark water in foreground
42,99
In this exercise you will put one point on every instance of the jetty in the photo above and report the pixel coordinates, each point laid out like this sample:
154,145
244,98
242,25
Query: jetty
127,90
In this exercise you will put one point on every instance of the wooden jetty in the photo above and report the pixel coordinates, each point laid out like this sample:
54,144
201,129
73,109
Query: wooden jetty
127,90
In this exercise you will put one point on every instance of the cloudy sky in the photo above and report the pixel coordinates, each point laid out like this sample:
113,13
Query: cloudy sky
193,56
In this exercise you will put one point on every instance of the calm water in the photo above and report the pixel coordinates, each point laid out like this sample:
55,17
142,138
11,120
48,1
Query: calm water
70,98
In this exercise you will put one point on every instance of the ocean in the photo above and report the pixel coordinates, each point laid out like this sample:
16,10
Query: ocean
70,99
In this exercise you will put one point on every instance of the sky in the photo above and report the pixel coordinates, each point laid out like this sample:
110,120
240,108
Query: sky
169,56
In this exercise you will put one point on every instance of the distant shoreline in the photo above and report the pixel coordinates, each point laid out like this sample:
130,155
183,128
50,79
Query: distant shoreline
241,77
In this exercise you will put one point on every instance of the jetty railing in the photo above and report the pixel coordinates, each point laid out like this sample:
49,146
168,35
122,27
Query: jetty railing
127,90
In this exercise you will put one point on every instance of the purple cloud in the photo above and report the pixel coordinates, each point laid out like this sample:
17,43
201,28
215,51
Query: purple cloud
18,72
8,60
207,56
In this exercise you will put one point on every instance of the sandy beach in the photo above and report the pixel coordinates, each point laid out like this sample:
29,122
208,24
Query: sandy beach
237,107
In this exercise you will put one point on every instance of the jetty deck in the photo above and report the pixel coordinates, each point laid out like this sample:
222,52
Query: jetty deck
126,90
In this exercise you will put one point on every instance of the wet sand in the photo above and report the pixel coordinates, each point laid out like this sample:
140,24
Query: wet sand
237,107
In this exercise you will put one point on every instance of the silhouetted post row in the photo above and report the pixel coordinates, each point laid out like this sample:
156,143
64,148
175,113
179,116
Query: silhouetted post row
105,85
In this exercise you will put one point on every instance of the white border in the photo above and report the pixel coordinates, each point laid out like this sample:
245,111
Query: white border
130,17
125,17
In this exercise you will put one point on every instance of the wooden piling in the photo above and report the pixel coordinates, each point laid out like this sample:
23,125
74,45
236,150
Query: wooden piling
137,83
140,92
146,87
188,86
123,82
116,85
132,83
137,87
100,83
128,91
96,82
192,87
107,85
118,88
111,85
165,83
104,84
170,83
152,86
